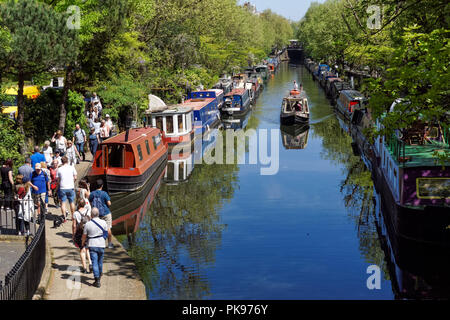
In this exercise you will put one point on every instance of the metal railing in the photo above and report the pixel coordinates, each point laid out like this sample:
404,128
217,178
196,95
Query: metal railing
22,281
396,146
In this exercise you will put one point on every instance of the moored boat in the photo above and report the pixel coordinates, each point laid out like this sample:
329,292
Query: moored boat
204,105
349,101
128,160
176,121
294,108
237,102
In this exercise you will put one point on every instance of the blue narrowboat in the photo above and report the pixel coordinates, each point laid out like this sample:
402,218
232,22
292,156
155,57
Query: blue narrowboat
204,104
237,102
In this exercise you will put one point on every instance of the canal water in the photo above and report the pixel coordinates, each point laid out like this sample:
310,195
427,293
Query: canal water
313,230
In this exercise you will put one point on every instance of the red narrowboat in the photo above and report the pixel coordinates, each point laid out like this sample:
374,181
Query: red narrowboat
127,161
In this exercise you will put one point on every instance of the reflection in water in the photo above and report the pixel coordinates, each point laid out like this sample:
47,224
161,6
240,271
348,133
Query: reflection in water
295,136
207,237
179,235
416,270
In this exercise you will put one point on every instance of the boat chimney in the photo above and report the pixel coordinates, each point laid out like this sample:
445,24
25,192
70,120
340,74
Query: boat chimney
128,123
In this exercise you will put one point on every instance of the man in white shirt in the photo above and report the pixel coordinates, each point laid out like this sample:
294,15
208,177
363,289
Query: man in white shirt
66,179
93,232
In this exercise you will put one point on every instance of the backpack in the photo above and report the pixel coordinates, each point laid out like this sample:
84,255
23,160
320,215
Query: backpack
97,202
84,219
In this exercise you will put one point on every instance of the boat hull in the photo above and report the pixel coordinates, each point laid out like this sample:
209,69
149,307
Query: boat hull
123,183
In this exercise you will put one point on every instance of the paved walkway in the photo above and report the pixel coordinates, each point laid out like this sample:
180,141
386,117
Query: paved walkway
120,280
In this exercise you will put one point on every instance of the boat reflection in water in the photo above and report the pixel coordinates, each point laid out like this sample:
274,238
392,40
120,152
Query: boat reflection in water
128,208
416,269
235,123
294,136
179,165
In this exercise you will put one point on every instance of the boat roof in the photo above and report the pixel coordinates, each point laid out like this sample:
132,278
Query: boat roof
353,94
171,109
236,91
133,135
197,104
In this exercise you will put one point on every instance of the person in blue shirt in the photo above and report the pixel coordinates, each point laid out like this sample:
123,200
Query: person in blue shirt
37,157
40,183
100,199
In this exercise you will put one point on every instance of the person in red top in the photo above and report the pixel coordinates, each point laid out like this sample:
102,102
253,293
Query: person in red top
25,205
54,181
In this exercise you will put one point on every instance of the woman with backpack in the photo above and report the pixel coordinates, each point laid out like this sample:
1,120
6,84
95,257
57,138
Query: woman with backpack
80,218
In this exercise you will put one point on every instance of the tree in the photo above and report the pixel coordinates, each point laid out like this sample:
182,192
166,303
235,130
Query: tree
39,40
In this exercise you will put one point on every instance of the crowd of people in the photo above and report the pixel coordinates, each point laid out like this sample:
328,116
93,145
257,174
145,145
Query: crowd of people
50,172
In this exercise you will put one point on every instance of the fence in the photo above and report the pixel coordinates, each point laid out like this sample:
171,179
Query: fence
22,281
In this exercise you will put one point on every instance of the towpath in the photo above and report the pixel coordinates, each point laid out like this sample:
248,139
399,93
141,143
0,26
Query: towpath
62,277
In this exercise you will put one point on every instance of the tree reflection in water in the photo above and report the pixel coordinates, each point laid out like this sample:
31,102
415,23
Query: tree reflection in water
181,232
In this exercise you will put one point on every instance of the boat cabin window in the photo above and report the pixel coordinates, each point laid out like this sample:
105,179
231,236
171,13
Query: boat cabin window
180,122
189,121
156,141
169,124
159,123
139,152
116,156
147,146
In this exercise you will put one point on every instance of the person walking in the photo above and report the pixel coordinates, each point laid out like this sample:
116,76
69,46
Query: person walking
83,193
37,157
66,180
26,170
7,184
40,183
72,154
57,157
25,207
54,186
94,141
79,138
48,153
104,131
80,218
47,172
100,199
295,85
110,124
60,142
94,232
91,120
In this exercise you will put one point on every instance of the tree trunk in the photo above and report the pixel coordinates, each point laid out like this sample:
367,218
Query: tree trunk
62,107
21,111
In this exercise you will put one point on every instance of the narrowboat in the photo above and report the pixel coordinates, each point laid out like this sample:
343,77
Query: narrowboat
263,71
336,88
318,71
239,80
237,102
225,84
349,101
128,160
294,137
324,76
210,93
175,121
128,209
416,185
294,108
204,105
329,84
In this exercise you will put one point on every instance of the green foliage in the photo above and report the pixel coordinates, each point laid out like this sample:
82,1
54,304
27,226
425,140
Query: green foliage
42,115
10,141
